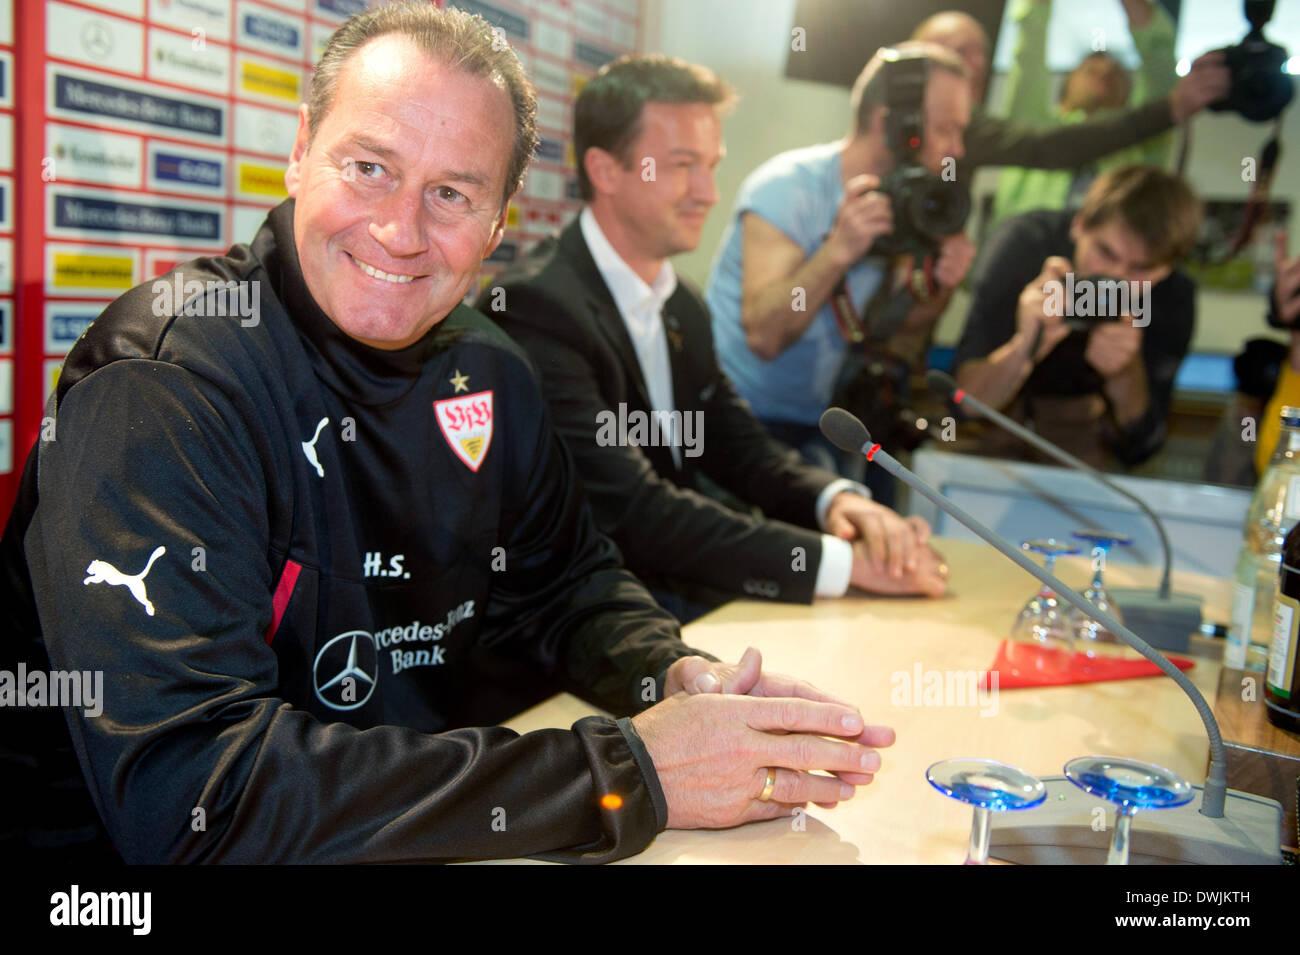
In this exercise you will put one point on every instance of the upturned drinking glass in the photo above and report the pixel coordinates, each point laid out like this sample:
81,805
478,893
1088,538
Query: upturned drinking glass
988,786
1131,785
1093,638
1043,623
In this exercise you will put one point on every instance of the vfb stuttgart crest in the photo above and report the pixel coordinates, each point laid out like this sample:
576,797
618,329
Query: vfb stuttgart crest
466,423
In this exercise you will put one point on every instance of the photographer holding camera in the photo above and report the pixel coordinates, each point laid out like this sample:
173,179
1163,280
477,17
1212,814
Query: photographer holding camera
850,246
1079,321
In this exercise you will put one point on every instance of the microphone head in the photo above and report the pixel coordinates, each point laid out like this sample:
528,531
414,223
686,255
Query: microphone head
940,383
844,430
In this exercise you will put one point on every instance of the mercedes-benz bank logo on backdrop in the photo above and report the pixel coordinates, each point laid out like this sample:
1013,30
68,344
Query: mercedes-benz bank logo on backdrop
346,670
96,40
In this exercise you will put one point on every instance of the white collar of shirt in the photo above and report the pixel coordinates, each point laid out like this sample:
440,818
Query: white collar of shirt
631,293
641,307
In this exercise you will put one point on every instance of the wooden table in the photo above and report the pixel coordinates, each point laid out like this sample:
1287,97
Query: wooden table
870,649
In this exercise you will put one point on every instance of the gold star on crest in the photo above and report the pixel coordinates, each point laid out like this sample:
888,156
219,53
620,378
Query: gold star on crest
460,381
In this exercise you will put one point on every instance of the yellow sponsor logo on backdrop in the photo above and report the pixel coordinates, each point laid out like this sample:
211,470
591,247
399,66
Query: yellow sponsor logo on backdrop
256,78
78,270
262,180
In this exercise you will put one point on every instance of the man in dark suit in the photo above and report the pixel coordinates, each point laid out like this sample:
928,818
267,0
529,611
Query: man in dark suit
626,356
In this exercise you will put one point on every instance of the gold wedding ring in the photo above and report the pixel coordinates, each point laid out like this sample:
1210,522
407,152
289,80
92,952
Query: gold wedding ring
766,794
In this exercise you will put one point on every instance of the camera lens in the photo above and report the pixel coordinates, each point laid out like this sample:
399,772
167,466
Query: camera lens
1263,94
939,208
1260,88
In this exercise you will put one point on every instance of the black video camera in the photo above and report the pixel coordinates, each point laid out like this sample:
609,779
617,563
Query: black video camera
1260,89
927,208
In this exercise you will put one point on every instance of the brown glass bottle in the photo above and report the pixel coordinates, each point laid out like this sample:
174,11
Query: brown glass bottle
1282,682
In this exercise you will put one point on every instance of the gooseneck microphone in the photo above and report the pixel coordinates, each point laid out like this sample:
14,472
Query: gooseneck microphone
945,387
849,434
1169,619
845,431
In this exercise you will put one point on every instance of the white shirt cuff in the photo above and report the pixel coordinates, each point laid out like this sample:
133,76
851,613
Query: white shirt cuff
828,494
835,568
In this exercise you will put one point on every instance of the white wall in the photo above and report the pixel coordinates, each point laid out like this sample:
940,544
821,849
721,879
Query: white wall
747,41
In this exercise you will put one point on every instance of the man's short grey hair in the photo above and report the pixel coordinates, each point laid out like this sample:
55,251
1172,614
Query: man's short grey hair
869,89
462,40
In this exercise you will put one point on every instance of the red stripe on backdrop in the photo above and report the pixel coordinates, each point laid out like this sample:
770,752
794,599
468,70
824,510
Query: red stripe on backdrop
29,216
283,591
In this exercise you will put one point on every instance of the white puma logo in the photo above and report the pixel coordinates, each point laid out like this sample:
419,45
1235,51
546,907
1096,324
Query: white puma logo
102,572
309,448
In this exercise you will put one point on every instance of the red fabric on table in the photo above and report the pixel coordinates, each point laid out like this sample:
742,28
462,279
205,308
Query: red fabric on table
1043,666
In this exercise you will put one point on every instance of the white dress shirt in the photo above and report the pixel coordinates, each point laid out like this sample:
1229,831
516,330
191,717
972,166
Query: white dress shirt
641,307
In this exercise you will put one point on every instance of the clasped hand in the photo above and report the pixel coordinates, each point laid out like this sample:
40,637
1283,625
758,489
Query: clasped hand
723,726
891,554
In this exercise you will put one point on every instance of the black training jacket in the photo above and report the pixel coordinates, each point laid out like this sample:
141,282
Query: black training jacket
305,566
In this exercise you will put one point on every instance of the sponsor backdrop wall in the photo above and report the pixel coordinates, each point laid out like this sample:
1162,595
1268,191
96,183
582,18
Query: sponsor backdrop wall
154,131
8,219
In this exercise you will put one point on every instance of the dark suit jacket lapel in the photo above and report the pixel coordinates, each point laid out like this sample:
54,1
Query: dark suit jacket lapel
675,332
684,396
601,302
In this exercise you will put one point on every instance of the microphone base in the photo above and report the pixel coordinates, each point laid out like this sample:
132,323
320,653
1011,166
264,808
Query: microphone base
1060,831
1165,624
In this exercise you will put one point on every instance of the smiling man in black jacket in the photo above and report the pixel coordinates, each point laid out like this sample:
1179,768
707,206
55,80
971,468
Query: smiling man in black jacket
317,546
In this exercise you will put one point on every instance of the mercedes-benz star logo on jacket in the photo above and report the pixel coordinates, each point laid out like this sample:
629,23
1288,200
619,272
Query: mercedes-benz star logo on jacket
345,670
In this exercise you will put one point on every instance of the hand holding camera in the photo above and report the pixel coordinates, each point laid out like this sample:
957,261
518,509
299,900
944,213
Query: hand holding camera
1113,347
864,216
956,255
1036,324
1208,81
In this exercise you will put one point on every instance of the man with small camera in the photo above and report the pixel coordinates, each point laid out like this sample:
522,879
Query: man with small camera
1078,322
822,260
